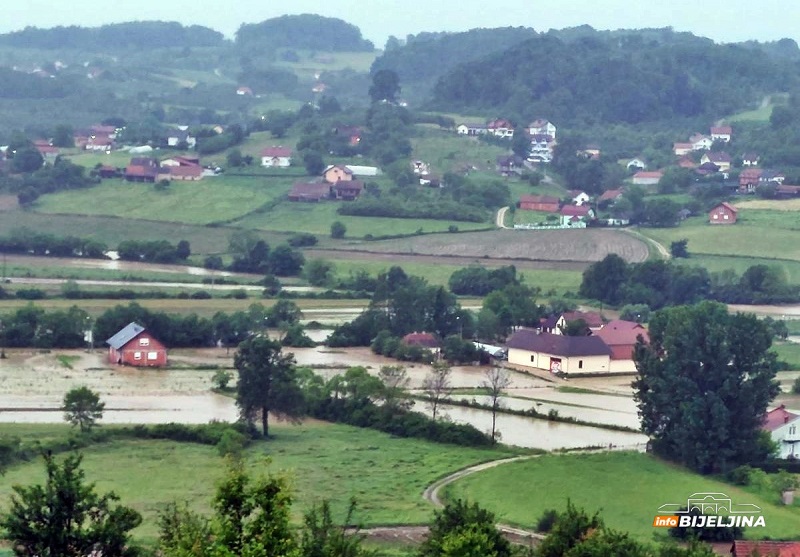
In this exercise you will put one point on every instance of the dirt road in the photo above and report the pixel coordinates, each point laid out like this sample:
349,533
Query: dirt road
501,218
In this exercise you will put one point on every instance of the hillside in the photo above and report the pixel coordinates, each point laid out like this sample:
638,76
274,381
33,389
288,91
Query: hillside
614,79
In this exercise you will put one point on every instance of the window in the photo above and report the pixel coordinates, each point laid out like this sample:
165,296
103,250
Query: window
792,430
137,355
533,358
580,364
725,217
144,342
152,355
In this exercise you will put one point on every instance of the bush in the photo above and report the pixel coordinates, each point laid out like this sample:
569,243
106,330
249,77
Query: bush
31,294
221,379
200,295
796,386
740,475
547,521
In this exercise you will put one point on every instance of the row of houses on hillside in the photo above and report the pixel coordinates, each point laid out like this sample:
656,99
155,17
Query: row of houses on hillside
702,142
338,181
540,132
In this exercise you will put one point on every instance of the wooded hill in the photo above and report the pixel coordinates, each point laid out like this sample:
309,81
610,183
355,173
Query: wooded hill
616,78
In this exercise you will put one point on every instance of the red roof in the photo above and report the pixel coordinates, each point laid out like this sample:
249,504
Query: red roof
538,123
192,170
681,146
719,157
313,191
591,318
776,417
499,123
721,130
610,195
546,199
276,152
143,171
727,206
575,210
347,185
743,548
647,174
426,340
622,332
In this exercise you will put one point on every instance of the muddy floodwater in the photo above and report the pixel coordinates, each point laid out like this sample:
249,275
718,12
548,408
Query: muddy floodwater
32,386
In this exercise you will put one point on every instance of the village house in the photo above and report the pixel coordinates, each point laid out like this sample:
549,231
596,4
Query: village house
724,213
135,346
621,337
750,159
555,324
48,152
190,173
721,133
471,129
313,192
749,179
637,163
500,128
559,354
541,149
337,173
772,548
609,197
681,149
579,197
510,165
721,159
686,162
785,191
544,203
573,214
244,92
179,138
647,178
768,176
142,169
700,142
542,127
347,190
784,429
591,151
428,341
276,157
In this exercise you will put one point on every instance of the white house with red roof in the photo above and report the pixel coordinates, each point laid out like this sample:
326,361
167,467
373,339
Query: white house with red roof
500,128
576,215
647,178
276,157
721,159
701,142
542,127
784,429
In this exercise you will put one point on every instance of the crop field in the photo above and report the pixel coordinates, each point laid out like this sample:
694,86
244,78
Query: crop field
540,245
217,199
386,475
632,489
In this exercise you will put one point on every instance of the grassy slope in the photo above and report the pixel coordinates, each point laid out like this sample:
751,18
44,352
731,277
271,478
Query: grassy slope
626,488
385,474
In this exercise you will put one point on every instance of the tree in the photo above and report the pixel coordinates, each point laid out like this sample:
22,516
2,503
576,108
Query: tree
313,162
679,248
338,230
284,261
234,158
319,272
605,279
183,250
436,386
322,537
27,159
705,380
395,382
66,517
496,379
461,529
63,136
385,86
82,408
267,382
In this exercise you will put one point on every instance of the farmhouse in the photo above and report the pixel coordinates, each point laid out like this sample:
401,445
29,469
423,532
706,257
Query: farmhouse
542,127
700,142
500,128
558,353
134,346
721,159
645,178
576,213
748,179
337,173
784,429
510,165
610,196
142,169
348,190
724,213
541,149
538,203
621,336
556,323
721,133
310,192
750,159
681,149
276,157
471,129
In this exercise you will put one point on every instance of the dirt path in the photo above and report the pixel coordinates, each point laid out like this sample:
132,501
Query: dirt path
662,250
500,221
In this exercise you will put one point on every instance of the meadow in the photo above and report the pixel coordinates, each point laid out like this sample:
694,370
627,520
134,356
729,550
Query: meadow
386,475
445,151
625,488
211,200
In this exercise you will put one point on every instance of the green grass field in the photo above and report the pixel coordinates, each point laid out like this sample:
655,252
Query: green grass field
118,159
217,199
789,352
386,475
445,151
626,488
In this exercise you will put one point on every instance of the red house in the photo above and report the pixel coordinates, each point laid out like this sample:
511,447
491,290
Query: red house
724,213
538,203
134,346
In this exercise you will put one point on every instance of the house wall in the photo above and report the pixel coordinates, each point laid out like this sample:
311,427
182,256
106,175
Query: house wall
622,366
721,215
646,181
788,439
143,350
277,162
574,364
335,174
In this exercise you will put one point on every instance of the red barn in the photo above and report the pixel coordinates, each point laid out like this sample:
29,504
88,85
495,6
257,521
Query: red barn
538,203
134,346
724,213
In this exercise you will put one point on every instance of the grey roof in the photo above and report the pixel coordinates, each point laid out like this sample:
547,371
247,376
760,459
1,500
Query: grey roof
124,336
559,345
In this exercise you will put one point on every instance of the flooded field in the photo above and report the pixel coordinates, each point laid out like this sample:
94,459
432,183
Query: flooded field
32,386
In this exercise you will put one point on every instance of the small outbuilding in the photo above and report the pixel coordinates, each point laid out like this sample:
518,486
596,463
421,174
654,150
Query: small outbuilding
135,346
724,213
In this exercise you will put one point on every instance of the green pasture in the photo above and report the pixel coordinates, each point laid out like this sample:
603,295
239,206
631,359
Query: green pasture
788,352
311,62
386,475
317,218
719,263
758,233
446,151
117,159
216,199
625,488
536,217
